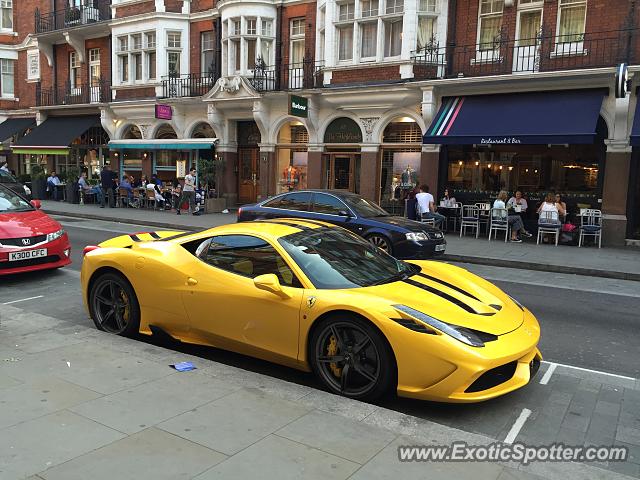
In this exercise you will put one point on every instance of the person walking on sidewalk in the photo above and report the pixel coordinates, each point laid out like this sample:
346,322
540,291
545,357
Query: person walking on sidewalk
189,192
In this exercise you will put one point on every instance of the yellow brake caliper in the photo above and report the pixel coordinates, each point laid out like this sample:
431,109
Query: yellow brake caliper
332,349
125,314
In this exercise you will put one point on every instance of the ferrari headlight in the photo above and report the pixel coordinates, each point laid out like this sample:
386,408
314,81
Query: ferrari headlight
55,235
416,236
465,335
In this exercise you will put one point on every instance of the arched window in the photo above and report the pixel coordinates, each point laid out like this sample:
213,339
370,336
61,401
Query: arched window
203,130
166,131
132,133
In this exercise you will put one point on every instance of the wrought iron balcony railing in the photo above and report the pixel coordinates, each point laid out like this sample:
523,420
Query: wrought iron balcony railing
98,91
89,12
190,85
543,53
291,76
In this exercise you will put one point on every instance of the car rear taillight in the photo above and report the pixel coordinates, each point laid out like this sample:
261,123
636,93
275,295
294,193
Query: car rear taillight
89,248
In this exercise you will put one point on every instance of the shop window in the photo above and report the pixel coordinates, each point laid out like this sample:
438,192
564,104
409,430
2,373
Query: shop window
291,156
489,24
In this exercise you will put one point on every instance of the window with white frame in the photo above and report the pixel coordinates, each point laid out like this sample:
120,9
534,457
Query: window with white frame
296,40
136,56
33,65
94,66
7,77
150,54
174,52
395,6
345,43
74,70
571,20
6,17
245,40
393,37
490,23
368,39
207,53
346,11
369,8
427,6
321,33
426,34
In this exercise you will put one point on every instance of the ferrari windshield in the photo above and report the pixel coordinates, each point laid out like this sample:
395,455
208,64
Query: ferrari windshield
11,202
333,258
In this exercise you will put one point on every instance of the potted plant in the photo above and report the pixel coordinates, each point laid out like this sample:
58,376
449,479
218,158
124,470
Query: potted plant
38,182
210,172
71,187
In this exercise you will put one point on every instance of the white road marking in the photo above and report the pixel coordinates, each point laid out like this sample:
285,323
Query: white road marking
517,426
590,371
547,375
23,300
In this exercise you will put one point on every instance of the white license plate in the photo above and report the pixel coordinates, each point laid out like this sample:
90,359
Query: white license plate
441,247
27,254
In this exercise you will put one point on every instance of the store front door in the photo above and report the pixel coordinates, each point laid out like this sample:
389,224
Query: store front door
340,169
248,174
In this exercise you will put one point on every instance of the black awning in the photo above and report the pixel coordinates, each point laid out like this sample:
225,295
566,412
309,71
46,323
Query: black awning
11,126
533,118
56,133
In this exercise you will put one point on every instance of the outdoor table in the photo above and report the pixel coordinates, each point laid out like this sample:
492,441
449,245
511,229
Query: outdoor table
63,187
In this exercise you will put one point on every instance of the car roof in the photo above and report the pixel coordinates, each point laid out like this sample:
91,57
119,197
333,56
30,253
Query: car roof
272,228
337,193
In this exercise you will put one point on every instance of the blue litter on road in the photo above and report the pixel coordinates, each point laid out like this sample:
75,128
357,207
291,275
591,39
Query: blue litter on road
184,366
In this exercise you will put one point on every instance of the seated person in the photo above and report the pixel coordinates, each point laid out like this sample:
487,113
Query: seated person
448,200
518,205
52,182
515,222
125,184
562,207
157,193
426,206
89,189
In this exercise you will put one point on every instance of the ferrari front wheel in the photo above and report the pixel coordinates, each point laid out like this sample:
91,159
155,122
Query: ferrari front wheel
351,358
114,306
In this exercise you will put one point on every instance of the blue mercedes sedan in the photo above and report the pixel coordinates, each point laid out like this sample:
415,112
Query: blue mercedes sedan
398,236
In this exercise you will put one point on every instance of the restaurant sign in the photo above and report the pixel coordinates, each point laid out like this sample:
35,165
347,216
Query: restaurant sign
163,112
298,106
343,130
181,168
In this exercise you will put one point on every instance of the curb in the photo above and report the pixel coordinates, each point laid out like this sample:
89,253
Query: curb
540,267
493,262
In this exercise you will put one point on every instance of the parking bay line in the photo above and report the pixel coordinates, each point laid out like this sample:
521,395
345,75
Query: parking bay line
517,426
23,300
554,365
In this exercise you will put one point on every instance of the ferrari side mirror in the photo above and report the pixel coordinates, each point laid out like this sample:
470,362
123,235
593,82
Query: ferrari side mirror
269,282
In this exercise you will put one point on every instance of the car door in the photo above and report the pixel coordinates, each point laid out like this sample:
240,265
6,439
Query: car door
330,208
295,204
228,310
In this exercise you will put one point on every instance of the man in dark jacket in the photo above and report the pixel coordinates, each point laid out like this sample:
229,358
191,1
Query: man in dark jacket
107,180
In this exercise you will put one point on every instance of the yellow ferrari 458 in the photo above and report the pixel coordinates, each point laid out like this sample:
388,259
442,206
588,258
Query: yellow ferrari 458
316,297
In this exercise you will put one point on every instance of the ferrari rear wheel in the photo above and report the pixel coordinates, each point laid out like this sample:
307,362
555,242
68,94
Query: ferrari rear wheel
351,358
381,242
114,306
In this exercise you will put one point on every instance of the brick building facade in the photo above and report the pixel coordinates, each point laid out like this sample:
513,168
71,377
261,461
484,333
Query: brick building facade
375,75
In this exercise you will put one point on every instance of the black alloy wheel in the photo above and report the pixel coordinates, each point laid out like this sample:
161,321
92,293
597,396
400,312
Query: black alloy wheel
351,358
114,306
381,242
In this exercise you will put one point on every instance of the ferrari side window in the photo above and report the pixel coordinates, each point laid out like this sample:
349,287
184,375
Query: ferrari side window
248,256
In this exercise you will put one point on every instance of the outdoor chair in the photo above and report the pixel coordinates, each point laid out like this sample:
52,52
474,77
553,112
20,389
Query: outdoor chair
549,223
456,217
421,218
484,214
470,219
150,198
590,225
499,222
123,197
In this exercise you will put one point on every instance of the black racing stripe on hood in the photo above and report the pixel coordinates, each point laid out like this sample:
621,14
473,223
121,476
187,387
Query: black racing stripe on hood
450,285
135,238
154,235
178,235
444,295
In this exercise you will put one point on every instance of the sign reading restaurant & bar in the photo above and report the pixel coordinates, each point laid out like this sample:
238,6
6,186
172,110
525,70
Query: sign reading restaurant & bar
298,106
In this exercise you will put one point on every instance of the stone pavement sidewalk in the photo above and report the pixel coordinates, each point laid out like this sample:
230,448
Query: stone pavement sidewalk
618,263
78,403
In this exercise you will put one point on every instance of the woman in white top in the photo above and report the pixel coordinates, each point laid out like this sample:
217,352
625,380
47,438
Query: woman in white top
515,222
549,205
448,200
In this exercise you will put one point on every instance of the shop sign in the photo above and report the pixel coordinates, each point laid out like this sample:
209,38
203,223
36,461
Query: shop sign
343,130
163,112
500,141
181,168
298,106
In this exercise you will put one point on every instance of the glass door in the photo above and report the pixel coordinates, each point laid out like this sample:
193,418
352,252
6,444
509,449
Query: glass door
527,44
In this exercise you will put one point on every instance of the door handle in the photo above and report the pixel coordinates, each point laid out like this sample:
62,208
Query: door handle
192,282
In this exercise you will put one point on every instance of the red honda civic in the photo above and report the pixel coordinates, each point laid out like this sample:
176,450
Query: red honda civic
29,239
